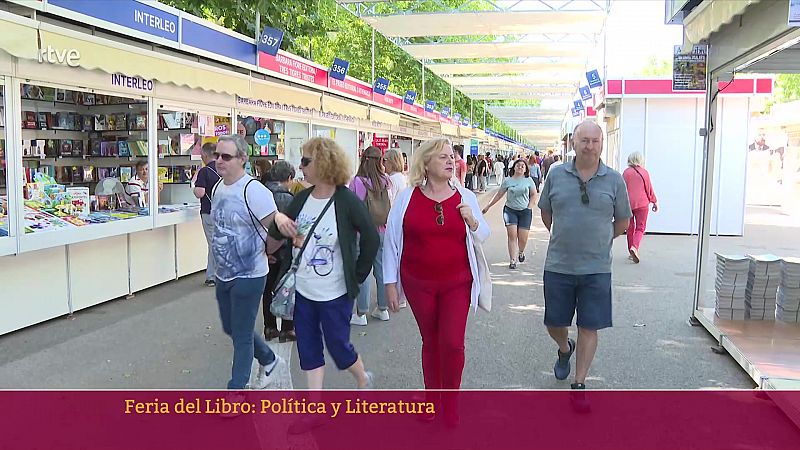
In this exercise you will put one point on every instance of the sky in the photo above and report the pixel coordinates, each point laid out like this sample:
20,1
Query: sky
636,31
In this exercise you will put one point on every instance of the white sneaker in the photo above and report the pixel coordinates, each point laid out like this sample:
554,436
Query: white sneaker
403,304
360,320
381,315
267,374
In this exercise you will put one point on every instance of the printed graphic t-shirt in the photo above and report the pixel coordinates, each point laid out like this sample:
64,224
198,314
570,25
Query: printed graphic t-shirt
238,241
320,276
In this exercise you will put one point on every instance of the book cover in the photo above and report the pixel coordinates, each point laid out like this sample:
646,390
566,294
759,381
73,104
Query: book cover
78,148
80,200
124,148
61,95
163,147
51,148
32,92
163,175
63,174
49,94
88,99
187,142
100,122
141,121
87,123
66,148
125,174
28,147
43,122
88,174
29,119
122,123
102,173
95,148
104,148
77,174
61,121
111,122
40,146
141,148
113,148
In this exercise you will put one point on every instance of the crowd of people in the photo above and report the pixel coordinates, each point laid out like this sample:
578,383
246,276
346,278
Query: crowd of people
337,226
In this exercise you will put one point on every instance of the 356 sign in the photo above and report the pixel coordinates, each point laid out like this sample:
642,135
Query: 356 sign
339,68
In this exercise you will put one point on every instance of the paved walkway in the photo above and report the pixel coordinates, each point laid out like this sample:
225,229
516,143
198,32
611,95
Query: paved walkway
170,336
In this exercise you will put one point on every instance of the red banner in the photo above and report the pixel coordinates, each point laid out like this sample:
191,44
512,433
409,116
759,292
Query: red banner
352,87
357,420
294,67
432,116
382,142
389,99
414,109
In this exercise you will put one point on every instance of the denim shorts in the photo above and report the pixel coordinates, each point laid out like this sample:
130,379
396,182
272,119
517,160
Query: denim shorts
522,219
589,295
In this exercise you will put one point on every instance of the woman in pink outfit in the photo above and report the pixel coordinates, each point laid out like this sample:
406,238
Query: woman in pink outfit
641,195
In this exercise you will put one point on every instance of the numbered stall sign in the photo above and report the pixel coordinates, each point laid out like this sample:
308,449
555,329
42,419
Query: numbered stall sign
578,105
457,117
586,93
593,77
381,86
339,69
445,112
410,98
430,106
575,112
270,41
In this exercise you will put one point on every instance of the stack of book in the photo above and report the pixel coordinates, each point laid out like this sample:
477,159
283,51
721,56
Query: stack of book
731,285
762,286
788,296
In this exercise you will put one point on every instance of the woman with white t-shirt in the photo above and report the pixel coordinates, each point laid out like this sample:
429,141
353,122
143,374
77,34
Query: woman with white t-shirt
331,268
393,164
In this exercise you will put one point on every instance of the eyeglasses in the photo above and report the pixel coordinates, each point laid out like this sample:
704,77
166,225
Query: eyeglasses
304,161
440,218
224,156
584,193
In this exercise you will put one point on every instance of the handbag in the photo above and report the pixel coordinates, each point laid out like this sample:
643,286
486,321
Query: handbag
484,278
282,304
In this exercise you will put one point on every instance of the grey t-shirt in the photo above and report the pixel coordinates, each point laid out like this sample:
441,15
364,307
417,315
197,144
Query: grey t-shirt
518,192
581,235
238,240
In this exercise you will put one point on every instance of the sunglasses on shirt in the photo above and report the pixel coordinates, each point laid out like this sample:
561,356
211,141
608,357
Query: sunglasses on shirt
440,218
584,193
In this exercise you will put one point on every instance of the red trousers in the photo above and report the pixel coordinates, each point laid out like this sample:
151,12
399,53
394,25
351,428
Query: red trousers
637,227
441,311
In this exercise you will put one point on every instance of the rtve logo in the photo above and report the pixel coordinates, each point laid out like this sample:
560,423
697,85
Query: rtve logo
55,56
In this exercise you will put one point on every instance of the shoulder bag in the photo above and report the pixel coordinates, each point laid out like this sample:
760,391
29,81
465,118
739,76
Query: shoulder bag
283,296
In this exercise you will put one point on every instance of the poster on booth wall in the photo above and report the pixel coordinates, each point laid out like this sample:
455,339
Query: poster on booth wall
382,142
205,125
222,126
689,69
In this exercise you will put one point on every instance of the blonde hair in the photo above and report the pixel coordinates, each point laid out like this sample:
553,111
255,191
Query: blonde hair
421,158
331,163
393,162
636,159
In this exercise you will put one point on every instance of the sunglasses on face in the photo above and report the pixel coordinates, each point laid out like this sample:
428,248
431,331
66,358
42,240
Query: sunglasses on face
305,161
225,156
584,193
440,218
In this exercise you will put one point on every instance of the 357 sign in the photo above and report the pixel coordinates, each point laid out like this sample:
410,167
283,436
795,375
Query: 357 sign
270,41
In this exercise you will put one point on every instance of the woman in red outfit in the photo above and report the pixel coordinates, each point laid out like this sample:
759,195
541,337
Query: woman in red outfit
429,258
641,195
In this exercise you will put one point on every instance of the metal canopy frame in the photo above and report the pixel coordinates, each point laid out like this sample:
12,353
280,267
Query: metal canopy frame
521,50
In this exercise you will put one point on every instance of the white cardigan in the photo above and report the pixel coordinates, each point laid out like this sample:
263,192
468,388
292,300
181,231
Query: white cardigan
393,240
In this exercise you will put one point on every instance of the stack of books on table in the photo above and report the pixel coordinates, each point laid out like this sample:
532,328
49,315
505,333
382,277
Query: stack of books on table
788,297
762,287
731,285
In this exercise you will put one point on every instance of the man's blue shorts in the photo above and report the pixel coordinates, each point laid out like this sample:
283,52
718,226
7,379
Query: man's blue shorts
590,295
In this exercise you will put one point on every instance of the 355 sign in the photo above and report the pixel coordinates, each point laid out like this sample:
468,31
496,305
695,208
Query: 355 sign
55,56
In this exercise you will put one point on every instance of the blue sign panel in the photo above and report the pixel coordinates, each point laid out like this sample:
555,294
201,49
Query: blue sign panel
445,112
578,105
270,41
261,137
430,106
457,117
465,122
575,112
586,93
217,42
381,85
127,13
410,98
593,77
339,69
474,124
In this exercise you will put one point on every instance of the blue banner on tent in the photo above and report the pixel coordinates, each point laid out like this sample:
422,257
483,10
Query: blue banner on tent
474,124
270,41
575,112
127,13
445,112
381,86
430,106
457,117
586,93
593,77
578,105
410,98
339,69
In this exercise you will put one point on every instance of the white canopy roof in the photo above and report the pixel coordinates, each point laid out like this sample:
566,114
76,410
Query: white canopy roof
525,50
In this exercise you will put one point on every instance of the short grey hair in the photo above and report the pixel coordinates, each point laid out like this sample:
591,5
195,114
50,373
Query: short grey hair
238,142
281,171
636,159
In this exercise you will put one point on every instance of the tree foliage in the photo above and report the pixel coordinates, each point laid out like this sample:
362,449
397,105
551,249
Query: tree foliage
656,67
320,30
787,87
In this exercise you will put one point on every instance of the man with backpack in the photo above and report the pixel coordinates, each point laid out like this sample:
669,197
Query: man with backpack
205,180
372,185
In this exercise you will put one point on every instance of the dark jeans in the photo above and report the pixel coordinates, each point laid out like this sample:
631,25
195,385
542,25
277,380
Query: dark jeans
238,307
324,320
270,321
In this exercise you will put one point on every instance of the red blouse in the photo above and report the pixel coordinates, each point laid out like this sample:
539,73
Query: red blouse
431,251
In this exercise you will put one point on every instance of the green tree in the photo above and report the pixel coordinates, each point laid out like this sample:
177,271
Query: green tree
787,87
656,67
